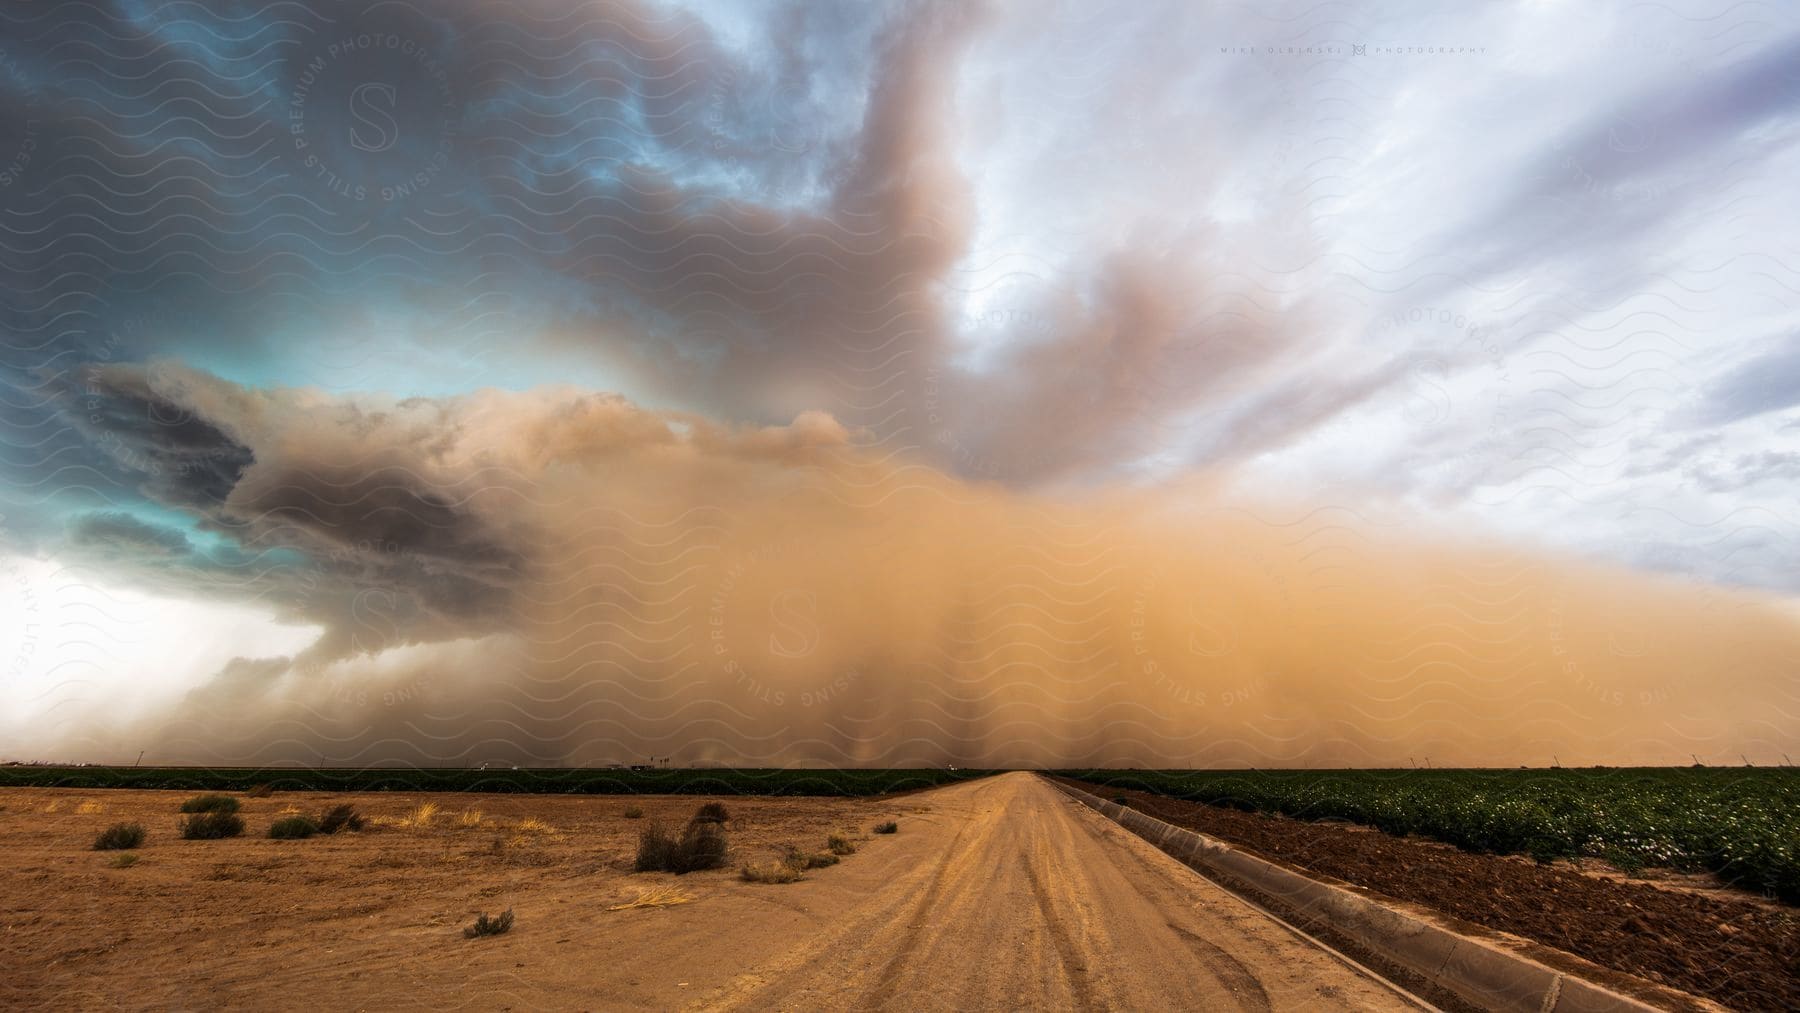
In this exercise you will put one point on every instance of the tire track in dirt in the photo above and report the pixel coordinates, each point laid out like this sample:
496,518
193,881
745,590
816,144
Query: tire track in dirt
1230,970
918,919
1074,966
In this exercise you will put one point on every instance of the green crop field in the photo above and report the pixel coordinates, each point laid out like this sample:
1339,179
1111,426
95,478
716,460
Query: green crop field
1742,823
577,781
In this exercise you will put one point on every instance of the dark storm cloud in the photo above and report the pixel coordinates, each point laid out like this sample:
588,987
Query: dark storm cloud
712,224
312,529
136,429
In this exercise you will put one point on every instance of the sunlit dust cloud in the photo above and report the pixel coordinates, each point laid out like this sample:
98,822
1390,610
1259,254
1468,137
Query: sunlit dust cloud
561,577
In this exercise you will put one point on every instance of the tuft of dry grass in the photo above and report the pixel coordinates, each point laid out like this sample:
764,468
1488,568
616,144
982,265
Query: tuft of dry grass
769,872
53,805
788,869
532,824
90,808
840,844
634,813
124,861
470,817
418,819
656,896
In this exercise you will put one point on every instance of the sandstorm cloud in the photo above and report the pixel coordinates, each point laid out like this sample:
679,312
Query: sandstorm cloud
559,576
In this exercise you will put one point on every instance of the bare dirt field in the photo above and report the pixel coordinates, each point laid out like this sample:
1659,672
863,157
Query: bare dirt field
998,893
1734,948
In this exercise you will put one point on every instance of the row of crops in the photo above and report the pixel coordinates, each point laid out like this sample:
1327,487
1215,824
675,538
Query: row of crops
582,781
1742,823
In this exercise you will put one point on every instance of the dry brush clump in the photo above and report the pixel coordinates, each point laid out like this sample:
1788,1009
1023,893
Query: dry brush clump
700,845
840,844
119,837
340,817
887,828
125,861
633,813
293,828
211,826
485,926
210,804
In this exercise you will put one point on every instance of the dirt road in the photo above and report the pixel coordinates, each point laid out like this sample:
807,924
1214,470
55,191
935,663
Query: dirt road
1027,900
995,894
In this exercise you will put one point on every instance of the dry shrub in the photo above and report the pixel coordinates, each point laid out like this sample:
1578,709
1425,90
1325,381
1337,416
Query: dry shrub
340,817
485,926
294,828
699,846
119,837
839,844
211,826
887,828
210,804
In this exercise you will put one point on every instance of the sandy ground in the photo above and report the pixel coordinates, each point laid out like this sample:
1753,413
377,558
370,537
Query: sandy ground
1000,893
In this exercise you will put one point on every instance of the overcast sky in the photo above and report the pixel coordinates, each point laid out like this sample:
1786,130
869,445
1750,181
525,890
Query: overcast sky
1521,272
